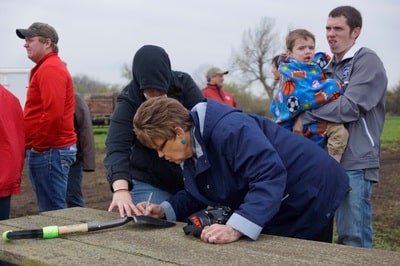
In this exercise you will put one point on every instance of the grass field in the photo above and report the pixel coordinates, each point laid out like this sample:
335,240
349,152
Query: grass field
100,134
391,134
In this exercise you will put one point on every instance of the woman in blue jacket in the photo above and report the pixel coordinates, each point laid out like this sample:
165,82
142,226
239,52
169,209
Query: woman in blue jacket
275,181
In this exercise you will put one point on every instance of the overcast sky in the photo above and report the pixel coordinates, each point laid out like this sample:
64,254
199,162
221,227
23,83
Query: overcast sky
97,36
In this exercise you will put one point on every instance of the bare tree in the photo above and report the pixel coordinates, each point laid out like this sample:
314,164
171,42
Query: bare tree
126,72
392,100
253,60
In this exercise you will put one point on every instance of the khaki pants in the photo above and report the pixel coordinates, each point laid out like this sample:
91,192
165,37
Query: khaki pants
337,136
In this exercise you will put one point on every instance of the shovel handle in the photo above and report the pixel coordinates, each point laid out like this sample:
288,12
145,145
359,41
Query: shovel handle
54,231
45,233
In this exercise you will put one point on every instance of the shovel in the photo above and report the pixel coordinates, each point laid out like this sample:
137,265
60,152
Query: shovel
55,231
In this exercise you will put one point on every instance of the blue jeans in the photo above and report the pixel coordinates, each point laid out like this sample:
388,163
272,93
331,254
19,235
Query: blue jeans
354,215
142,190
74,189
5,207
48,173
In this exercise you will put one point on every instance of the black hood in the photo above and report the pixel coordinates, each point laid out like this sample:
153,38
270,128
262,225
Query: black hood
151,68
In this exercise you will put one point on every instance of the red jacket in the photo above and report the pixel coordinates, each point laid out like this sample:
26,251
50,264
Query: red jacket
12,143
218,94
50,105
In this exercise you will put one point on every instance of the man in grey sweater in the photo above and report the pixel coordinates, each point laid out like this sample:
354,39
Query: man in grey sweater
362,110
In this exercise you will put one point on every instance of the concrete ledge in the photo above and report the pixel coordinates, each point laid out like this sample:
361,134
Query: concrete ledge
133,244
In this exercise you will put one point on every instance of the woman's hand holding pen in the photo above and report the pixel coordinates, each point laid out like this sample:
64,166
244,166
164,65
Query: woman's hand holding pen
153,210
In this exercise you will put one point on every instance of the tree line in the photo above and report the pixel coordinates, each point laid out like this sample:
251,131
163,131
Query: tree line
250,64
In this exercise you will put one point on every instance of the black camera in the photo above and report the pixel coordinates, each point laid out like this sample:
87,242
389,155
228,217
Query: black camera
200,219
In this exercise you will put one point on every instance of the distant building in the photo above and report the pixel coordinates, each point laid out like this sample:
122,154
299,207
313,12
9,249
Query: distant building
16,80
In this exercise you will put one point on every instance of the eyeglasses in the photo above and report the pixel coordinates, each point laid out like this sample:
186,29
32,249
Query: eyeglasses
162,146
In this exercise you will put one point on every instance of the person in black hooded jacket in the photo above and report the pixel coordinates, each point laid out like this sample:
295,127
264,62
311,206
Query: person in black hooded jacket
133,170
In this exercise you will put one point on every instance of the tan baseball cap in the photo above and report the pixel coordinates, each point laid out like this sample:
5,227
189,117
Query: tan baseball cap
212,72
38,29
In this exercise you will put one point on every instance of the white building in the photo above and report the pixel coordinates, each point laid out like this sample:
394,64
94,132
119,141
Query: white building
15,80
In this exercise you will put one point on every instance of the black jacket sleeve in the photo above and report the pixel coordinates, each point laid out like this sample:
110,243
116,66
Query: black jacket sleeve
189,94
120,137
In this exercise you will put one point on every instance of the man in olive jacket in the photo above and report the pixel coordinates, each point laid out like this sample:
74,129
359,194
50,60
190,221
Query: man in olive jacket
129,164
85,155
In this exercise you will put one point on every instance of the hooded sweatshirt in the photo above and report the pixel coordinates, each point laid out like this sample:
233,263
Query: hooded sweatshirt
126,158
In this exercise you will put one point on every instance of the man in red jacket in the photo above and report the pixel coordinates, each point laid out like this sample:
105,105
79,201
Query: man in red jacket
12,149
215,79
49,117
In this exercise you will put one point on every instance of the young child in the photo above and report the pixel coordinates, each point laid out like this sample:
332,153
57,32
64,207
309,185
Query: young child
303,86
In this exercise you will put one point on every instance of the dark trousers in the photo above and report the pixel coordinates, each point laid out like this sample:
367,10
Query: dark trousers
326,235
74,189
5,206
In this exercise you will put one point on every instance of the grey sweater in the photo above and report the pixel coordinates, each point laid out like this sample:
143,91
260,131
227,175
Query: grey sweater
361,108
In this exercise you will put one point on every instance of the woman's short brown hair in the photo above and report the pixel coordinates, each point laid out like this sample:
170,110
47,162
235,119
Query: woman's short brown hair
158,118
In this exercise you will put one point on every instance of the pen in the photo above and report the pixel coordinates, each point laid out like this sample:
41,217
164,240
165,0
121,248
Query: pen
148,201
285,197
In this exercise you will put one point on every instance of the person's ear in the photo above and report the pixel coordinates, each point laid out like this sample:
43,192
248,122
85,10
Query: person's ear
47,42
356,32
180,132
